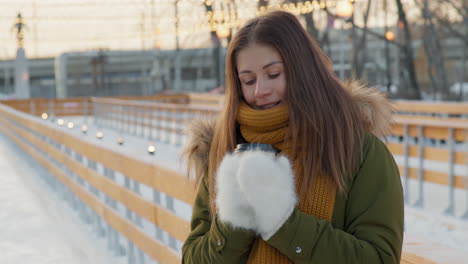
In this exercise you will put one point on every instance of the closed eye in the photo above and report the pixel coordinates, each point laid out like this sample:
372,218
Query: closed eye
251,82
274,76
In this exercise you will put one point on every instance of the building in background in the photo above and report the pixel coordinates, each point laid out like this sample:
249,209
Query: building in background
146,72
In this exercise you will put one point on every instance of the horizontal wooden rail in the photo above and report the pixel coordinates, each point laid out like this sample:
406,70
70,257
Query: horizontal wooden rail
58,107
122,116
157,177
150,125
208,99
431,107
435,177
177,98
150,246
410,258
433,129
429,153
166,220
181,108
42,104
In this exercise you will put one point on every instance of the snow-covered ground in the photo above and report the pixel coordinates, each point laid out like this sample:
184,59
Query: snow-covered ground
36,227
428,224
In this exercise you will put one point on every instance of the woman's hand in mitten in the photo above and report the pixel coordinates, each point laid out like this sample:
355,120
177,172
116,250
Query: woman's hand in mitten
232,206
268,184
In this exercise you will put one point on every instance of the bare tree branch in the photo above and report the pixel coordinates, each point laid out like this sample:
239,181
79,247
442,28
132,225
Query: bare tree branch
413,87
449,26
216,50
367,30
445,23
310,23
434,53
360,47
462,10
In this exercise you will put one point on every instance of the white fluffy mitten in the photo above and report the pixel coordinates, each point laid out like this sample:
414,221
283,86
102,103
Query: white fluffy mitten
268,184
232,206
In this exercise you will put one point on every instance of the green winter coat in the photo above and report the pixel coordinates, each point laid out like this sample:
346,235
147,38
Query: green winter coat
366,227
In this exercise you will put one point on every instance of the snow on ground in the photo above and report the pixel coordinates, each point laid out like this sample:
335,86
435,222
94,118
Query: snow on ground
35,226
433,226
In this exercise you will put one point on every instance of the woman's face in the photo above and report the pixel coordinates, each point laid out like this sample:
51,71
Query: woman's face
261,74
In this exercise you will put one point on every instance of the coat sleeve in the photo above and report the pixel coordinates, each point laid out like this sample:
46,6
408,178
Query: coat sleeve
212,241
374,217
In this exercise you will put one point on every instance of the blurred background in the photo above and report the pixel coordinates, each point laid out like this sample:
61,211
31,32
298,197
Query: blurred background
411,49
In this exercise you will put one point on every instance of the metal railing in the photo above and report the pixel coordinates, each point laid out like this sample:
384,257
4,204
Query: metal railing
418,140
153,121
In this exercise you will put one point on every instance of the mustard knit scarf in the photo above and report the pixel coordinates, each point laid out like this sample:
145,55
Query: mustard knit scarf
270,127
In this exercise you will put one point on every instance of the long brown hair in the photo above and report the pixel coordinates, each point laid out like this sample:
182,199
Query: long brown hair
324,124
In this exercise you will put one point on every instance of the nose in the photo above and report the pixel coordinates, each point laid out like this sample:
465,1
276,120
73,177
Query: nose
262,89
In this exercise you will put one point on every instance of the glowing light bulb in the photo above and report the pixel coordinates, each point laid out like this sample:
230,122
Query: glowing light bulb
151,149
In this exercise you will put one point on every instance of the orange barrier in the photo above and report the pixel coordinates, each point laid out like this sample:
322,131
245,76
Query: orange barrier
435,108
156,177
58,107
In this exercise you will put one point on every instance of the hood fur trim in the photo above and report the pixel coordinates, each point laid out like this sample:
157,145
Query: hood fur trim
197,149
375,109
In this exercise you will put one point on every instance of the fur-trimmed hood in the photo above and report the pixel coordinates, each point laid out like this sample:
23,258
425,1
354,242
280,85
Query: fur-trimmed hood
375,109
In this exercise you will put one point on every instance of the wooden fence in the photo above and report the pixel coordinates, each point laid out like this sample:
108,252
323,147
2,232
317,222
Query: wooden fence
46,144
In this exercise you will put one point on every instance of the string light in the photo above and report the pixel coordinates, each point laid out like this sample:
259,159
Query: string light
390,36
193,18
222,19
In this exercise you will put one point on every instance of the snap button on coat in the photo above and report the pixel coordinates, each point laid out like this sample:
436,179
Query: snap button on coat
298,250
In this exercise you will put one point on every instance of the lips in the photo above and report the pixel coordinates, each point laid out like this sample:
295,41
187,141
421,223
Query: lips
268,106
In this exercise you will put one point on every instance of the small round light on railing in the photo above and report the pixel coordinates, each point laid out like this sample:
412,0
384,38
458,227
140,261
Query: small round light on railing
70,125
151,149
99,135
60,122
120,141
84,129
44,116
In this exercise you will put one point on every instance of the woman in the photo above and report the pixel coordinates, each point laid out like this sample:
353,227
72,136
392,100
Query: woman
333,192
